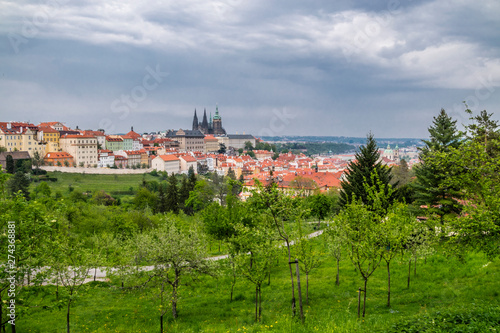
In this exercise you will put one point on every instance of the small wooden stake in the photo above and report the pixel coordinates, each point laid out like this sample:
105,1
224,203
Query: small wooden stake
300,292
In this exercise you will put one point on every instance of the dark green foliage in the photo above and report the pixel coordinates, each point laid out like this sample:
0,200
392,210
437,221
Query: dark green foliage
184,195
431,187
102,198
467,319
144,198
222,148
320,205
172,195
161,206
360,172
484,130
19,182
10,166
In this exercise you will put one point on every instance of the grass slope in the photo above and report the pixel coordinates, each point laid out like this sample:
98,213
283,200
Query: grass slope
443,289
112,184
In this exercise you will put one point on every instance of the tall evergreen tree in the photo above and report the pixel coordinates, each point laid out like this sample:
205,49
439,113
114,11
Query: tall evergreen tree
172,196
162,199
191,179
9,161
360,172
432,187
184,195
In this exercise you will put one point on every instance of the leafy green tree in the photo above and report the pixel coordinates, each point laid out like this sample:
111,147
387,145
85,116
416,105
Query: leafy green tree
174,253
248,145
360,172
309,258
360,229
432,188
71,266
261,243
202,195
335,245
19,183
216,222
37,159
475,165
395,230
144,198
276,208
43,189
320,206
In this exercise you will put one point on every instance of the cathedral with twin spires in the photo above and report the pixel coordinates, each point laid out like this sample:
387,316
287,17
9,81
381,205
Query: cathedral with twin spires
214,126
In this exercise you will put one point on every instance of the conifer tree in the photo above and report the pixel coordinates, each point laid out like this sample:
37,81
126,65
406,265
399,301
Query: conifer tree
172,195
184,195
432,187
360,172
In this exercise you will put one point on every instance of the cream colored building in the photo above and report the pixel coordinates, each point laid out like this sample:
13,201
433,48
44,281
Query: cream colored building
211,144
168,163
83,148
188,140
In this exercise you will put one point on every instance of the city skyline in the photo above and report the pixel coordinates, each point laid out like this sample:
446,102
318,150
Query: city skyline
321,68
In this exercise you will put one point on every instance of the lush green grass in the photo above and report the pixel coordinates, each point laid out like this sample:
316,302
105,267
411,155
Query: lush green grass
443,289
115,185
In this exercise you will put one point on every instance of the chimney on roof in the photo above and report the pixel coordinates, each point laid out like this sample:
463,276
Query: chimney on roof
132,128
77,127
9,126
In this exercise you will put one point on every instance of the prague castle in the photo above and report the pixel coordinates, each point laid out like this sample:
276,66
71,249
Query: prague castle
214,126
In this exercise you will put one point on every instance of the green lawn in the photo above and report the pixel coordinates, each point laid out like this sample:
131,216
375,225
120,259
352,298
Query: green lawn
112,184
442,286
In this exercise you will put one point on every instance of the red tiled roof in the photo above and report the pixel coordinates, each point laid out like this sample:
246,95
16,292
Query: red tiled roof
168,158
188,158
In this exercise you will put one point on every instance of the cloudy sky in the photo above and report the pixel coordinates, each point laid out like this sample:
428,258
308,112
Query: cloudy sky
282,67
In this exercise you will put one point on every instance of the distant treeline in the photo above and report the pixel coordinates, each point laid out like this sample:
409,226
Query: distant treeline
311,148
401,142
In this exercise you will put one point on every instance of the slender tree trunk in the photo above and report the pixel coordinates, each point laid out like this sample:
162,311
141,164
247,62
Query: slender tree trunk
95,273
174,299
307,288
388,285
415,267
260,303
291,276
256,301
269,277
359,301
409,272
13,328
233,282
67,314
219,245
337,282
364,299
161,323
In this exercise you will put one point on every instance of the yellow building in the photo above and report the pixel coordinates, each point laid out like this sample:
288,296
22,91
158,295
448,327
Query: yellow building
10,139
21,139
50,137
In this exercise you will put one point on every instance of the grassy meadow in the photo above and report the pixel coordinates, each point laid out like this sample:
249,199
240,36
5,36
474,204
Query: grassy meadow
116,185
445,295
